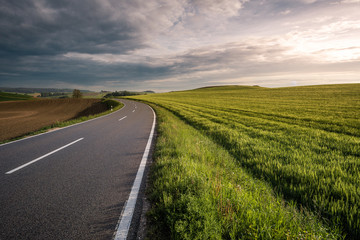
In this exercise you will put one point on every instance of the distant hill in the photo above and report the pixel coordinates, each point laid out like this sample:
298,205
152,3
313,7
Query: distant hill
38,90
13,97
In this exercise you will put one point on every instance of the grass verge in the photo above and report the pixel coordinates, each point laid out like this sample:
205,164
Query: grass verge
303,141
199,191
109,103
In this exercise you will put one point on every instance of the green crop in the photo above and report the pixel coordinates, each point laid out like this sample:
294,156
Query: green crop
13,96
303,141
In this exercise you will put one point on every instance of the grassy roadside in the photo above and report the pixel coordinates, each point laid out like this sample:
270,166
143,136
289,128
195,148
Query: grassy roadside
198,191
302,141
115,104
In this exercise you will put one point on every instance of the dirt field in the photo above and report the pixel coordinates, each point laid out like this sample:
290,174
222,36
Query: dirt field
20,117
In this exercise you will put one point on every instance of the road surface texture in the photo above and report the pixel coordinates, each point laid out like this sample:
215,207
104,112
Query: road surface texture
74,182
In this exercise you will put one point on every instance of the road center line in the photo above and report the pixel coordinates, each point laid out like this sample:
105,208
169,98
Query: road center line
44,156
122,118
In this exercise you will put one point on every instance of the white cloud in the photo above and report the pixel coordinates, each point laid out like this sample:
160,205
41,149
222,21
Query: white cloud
286,12
227,8
308,1
332,40
340,55
350,1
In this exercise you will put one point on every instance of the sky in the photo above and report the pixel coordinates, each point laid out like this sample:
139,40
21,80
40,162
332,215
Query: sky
168,45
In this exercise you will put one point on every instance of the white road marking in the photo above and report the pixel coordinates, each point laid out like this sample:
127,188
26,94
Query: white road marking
127,214
122,118
44,156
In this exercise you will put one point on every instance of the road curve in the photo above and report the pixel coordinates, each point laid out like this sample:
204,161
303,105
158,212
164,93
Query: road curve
73,183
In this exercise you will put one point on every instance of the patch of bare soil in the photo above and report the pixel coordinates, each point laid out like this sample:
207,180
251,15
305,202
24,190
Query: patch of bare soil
20,117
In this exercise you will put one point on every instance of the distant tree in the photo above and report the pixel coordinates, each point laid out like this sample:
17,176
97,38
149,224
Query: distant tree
77,93
109,95
126,93
121,94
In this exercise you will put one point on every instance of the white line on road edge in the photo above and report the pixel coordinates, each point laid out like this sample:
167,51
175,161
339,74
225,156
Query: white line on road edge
35,160
122,118
127,214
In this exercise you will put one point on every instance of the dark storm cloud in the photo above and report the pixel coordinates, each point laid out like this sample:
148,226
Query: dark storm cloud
55,27
49,71
36,34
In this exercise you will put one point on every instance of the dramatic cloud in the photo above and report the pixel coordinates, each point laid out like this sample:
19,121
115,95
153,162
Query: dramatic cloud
178,44
55,27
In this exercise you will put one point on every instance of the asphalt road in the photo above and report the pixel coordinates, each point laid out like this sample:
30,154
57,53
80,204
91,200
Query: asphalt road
79,177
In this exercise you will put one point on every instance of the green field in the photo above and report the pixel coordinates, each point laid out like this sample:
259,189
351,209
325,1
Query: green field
301,143
13,97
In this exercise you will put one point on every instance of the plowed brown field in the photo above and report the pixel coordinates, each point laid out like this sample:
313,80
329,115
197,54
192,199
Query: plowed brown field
20,117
